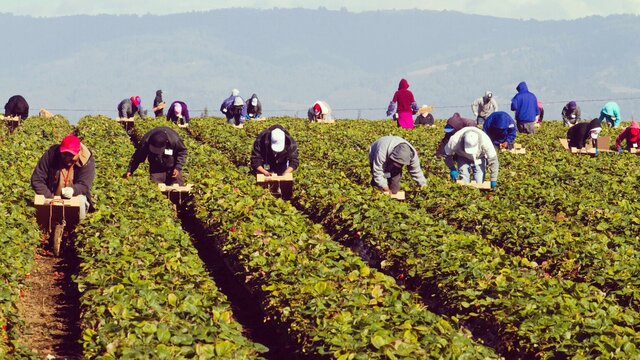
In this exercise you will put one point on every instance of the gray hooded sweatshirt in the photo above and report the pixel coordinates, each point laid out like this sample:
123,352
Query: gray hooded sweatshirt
381,155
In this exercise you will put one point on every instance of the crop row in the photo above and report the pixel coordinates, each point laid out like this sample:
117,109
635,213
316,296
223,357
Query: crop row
332,303
145,292
510,217
20,234
474,281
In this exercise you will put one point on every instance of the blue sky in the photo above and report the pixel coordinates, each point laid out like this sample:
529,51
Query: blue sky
519,9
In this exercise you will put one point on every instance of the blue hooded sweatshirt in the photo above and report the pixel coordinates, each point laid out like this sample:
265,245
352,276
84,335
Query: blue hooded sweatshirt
525,104
500,127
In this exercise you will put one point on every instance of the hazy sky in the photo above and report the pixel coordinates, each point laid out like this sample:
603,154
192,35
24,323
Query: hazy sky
520,9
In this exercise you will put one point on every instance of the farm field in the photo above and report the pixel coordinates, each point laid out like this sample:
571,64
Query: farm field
544,266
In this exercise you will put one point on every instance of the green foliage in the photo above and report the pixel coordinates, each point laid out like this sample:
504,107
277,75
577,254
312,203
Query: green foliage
20,235
145,292
332,303
478,278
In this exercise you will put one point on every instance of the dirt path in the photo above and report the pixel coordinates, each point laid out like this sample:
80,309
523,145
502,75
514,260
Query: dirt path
50,308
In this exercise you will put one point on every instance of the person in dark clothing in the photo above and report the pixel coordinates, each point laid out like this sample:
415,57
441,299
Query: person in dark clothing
234,108
424,116
253,107
16,106
571,114
578,134
501,129
158,104
178,113
274,152
540,116
454,124
525,105
66,169
127,108
167,155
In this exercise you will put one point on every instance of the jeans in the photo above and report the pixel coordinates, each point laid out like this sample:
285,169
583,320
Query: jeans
393,181
465,166
527,127
166,178
84,206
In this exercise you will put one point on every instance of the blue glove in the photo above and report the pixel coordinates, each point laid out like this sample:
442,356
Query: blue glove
597,152
620,150
494,184
454,174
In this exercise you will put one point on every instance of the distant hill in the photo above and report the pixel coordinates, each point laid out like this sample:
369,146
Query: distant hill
292,57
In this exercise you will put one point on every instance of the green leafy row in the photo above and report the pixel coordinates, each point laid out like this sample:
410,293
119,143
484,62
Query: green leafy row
332,303
475,281
20,235
567,243
145,293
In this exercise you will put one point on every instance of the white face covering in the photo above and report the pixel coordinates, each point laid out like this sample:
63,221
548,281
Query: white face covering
594,135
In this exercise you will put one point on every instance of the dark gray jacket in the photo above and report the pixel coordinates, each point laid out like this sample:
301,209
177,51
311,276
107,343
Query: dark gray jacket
126,109
160,163
46,175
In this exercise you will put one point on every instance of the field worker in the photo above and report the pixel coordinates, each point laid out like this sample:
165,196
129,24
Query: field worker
501,129
611,114
274,152
320,110
233,108
387,156
166,153
632,135
16,106
483,107
254,107
578,134
178,113
407,105
540,116
571,114
128,108
158,104
66,169
454,124
525,105
473,150
424,116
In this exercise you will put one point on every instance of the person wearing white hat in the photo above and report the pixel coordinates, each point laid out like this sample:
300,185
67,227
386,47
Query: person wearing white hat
483,107
274,152
254,107
234,108
580,133
472,149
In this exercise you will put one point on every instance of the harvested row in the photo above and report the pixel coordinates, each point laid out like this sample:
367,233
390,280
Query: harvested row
145,291
332,303
475,281
20,234
564,248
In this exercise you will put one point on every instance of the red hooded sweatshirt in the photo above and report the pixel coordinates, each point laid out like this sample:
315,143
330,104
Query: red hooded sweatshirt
631,134
403,97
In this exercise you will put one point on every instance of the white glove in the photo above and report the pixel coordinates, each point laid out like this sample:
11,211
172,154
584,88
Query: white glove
224,110
67,192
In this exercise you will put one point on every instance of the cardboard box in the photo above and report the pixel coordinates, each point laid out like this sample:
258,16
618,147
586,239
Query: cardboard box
260,178
517,149
484,186
175,188
400,195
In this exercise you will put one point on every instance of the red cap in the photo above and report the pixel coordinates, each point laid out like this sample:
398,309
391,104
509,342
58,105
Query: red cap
70,144
135,100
